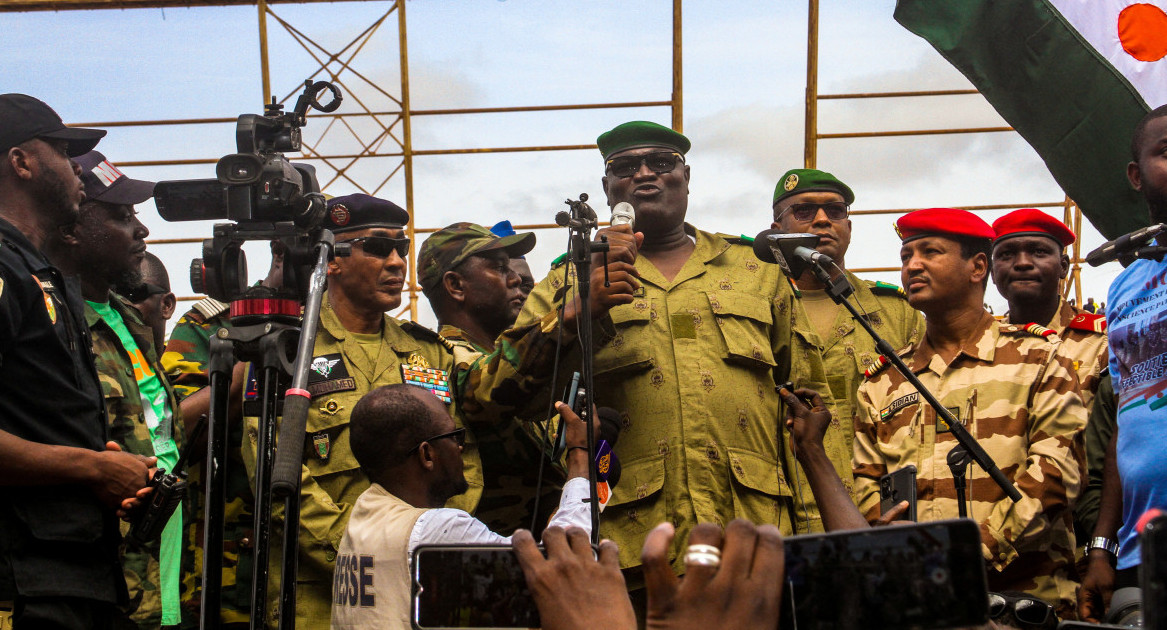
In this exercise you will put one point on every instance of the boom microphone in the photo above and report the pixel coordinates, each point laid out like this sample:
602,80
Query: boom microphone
624,214
795,253
1124,245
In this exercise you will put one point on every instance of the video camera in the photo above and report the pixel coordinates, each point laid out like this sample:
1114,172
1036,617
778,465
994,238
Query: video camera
267,197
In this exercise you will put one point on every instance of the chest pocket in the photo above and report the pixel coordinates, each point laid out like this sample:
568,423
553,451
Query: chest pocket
629,350
745,322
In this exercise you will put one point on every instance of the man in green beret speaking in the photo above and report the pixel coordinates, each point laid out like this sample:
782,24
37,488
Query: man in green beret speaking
816,202
690,358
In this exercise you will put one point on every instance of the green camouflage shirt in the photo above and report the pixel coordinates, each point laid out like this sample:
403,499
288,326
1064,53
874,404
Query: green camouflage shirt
127,427
185,361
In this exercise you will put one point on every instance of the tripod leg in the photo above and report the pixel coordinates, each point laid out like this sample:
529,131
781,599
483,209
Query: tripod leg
222,353
269,391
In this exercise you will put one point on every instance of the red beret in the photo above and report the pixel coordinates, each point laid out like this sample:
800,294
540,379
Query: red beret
1032,222
942,222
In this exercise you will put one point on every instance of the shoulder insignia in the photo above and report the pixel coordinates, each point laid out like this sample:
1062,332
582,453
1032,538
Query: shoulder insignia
1088,322
417,331
210,308
887,288
559,261
1038,330
880,365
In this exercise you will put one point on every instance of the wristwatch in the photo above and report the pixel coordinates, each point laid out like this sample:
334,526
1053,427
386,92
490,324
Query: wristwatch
1106,544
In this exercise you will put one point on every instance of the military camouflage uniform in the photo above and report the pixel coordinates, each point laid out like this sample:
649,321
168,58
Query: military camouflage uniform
1014,393
692,366
186,362
849,350
1084,343
332,480
127,427
510,460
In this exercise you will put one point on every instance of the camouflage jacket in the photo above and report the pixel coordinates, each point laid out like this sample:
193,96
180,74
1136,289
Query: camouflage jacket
510,459
185,361
1084,343
848,351
1015,394
127,427
331,481
691,364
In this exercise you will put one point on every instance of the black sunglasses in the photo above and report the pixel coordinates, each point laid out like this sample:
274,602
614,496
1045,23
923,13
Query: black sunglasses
381,246
806,212
142,292
1028,611
659,163
458,435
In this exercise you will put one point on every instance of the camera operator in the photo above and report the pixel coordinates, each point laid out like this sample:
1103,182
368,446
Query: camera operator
105,246
411,450
62,480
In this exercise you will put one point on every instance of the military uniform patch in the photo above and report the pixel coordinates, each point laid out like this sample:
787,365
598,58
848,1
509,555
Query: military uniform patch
942,426
791,182
419,373
327,374
331,407
46,289
322,445
898,404
1083,321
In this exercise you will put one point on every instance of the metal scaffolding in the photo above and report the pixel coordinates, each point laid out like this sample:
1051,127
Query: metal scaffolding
392,135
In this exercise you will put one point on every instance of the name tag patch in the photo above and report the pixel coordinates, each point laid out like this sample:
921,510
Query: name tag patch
328,374
898,404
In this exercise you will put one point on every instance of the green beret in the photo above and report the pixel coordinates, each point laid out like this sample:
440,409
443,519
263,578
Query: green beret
800,180
641,133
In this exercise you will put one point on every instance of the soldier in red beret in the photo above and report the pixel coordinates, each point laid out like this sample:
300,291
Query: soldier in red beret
1006,384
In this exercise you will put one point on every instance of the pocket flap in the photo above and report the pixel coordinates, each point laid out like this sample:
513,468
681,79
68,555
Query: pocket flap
639,479
638,311
740,305
757,472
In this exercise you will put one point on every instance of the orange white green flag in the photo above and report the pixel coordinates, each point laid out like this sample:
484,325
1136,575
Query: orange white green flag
1073,77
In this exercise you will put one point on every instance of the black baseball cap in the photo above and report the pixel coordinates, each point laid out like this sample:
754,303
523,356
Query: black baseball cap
104,182
26,118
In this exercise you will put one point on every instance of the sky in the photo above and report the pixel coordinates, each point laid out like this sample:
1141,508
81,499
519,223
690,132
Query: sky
744,80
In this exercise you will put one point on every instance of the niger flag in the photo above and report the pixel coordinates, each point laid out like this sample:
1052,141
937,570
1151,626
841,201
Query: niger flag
1073,77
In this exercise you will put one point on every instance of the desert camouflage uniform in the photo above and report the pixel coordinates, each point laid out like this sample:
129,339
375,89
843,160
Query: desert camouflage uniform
1084,343
331,479
510,460
186,361
849,350
127,427
692,366
1015,394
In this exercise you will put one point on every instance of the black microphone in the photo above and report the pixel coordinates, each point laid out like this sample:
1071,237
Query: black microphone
609,433
795,253
1124,245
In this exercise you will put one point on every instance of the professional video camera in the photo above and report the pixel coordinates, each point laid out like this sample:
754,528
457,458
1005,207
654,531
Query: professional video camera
267,196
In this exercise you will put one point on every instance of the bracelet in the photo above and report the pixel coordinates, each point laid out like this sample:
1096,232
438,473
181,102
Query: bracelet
1106,544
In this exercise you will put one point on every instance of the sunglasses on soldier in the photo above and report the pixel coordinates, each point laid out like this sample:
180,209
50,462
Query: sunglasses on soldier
659,163
806,212
143,292
381,246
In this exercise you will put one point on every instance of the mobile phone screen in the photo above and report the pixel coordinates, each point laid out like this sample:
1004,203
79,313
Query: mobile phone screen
928,575
471,587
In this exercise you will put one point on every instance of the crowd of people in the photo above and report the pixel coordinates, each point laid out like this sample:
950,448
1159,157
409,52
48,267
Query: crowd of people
748,406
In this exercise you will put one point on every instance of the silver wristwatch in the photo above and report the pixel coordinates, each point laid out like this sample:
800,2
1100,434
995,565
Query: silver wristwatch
1106,544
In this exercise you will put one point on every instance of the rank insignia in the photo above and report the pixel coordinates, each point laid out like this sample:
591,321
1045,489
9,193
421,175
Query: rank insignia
331,407
418,361
321,445
433,379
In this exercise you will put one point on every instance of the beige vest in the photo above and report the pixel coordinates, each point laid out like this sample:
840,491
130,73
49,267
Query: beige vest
371,583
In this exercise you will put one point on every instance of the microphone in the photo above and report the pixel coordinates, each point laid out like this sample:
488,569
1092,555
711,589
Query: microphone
1124,245
624,214
607,464
795,253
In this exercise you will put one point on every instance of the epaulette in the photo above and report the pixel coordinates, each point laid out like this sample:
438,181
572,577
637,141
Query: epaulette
887,288
1037,330
1088,322
559,261
880,365
210,308
417,331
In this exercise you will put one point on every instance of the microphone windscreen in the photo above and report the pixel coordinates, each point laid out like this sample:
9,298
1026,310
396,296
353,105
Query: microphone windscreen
762,245
623,214
609,424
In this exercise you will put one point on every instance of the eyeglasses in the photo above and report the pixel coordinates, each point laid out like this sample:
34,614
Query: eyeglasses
458,435
381,246
1028,611
142,292
806,212
659,163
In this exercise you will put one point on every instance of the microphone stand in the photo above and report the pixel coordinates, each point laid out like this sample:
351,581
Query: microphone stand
839,289
580,222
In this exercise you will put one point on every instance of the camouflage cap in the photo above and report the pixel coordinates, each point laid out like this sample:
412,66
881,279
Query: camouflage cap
641,133
361,212
800,180
449,246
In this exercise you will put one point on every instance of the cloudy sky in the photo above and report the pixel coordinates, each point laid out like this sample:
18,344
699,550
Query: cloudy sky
744,80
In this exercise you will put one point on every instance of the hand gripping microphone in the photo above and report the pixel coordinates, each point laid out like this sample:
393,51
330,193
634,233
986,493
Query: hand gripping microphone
624,214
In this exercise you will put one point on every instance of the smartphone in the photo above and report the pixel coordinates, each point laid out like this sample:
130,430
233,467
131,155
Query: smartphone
470,586
569,398
899,486
928,575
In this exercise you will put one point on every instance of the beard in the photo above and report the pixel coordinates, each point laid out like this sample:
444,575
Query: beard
56,198
447,488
